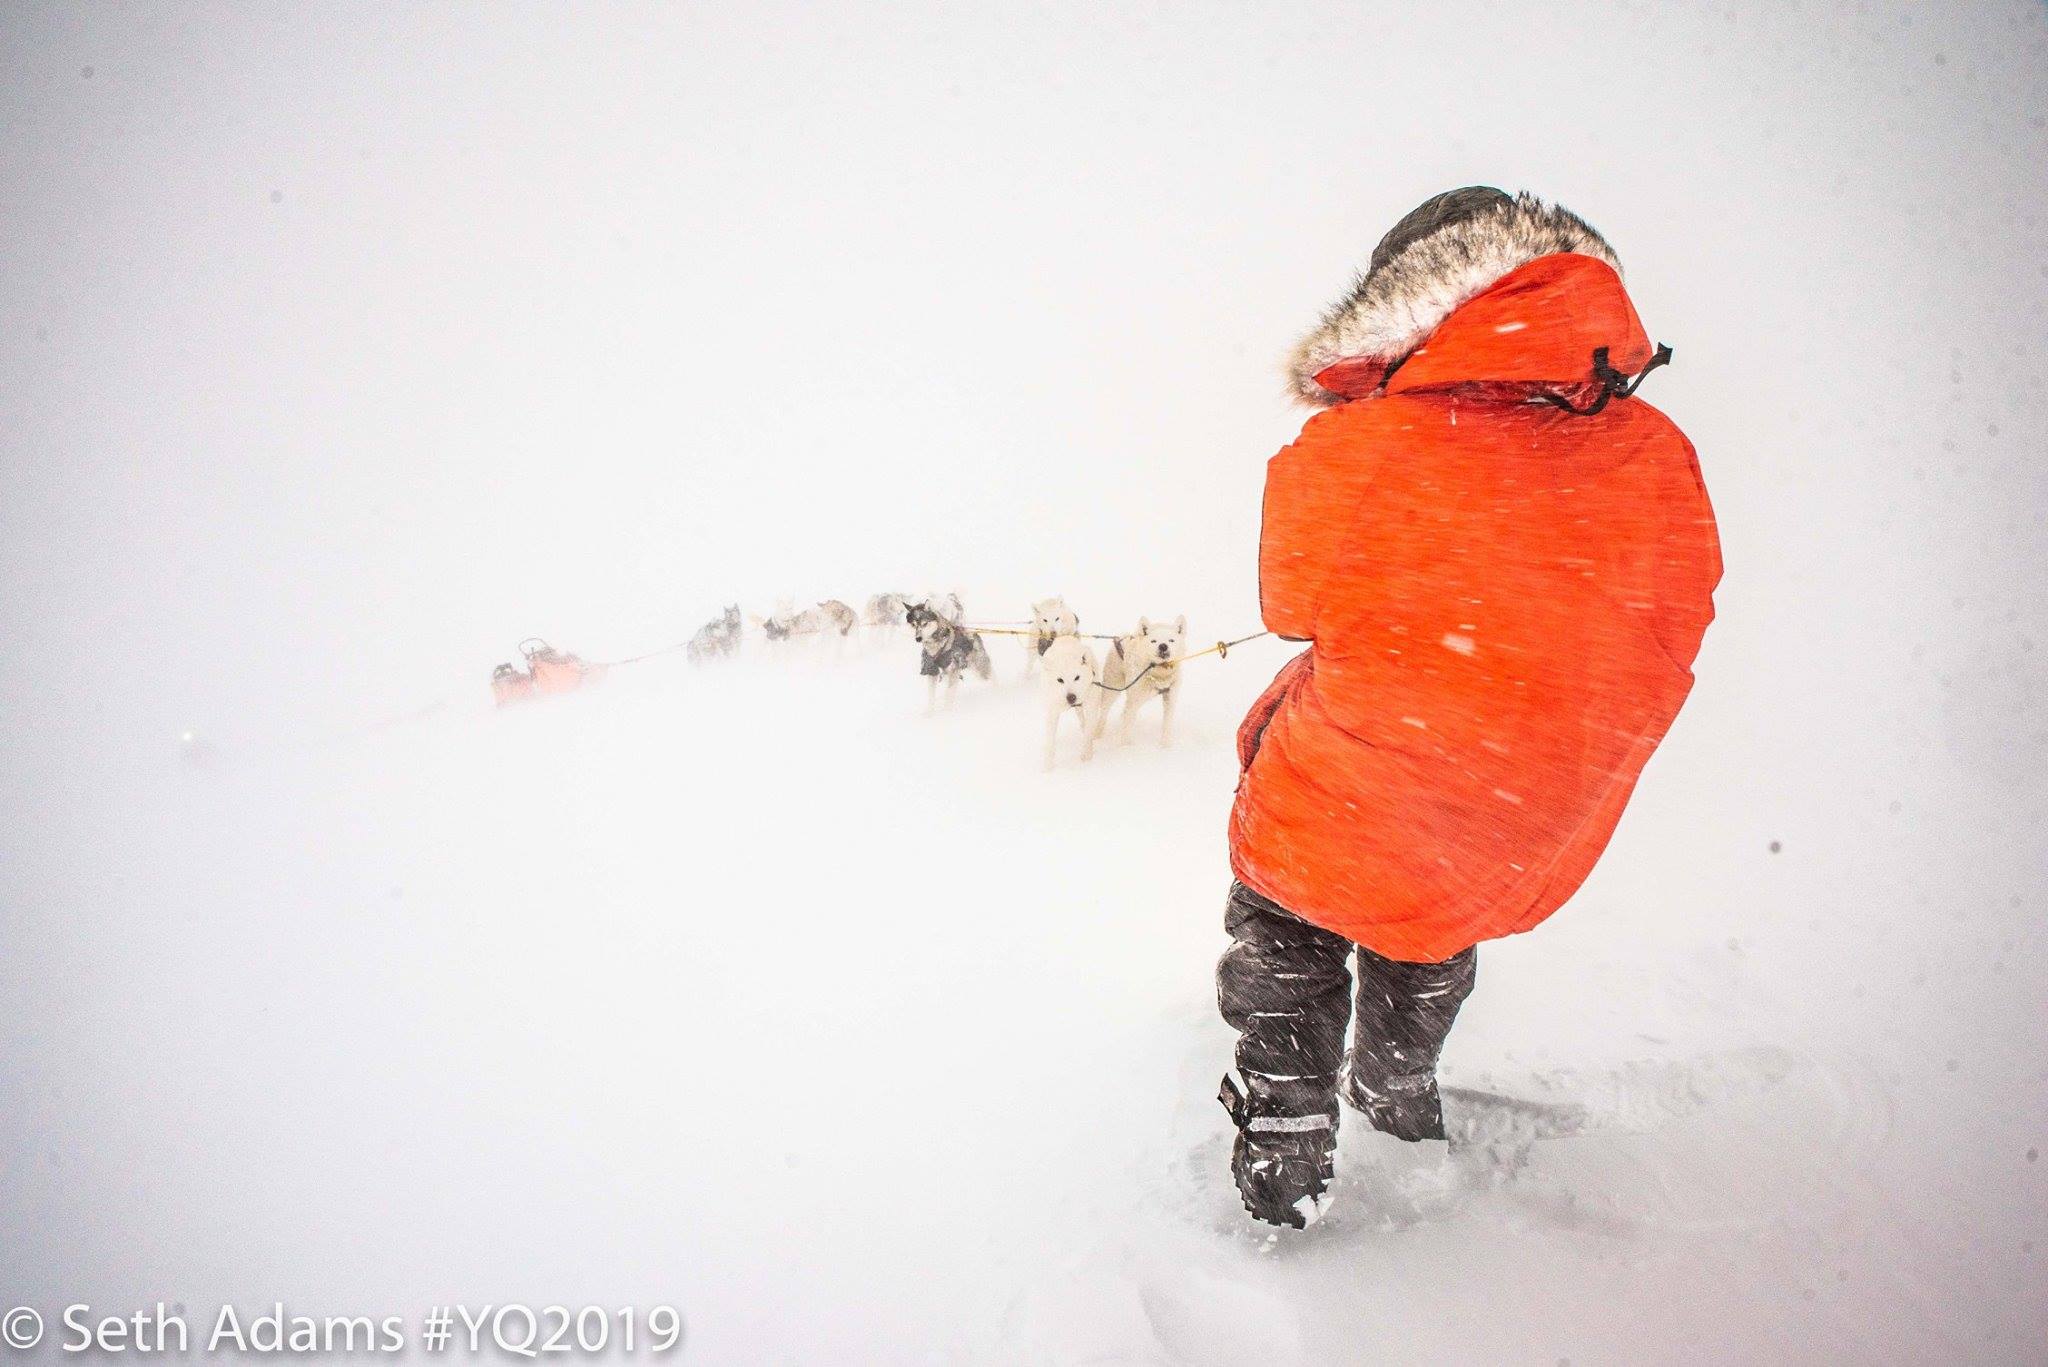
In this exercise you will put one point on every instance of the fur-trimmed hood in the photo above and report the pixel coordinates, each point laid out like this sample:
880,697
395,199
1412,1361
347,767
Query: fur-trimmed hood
1392,309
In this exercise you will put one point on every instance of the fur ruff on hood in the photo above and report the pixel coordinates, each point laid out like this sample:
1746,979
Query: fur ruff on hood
1392,310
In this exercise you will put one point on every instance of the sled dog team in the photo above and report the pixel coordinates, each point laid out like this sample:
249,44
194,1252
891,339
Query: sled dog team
1136,668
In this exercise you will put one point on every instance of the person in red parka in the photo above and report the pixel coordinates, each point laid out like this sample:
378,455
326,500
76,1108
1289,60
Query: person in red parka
1502,562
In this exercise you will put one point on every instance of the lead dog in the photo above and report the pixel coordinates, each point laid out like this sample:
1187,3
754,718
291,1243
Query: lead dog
946,651
1142,666
1069,682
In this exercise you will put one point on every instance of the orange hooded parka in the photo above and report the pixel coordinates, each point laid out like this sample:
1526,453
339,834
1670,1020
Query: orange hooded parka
1503,568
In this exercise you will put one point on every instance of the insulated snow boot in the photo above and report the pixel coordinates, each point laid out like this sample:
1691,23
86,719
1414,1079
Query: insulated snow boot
1402,1013
1405,1106
1283,1164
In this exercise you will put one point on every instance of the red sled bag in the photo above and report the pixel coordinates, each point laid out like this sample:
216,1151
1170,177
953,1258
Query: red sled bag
556,672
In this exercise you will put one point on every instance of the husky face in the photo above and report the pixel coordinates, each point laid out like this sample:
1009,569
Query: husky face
1159,642
932,631
1070,674
1053,618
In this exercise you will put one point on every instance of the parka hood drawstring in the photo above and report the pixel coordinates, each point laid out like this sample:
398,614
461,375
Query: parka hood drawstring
1613,384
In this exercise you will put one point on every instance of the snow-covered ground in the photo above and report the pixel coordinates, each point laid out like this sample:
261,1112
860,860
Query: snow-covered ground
861,1038
341,348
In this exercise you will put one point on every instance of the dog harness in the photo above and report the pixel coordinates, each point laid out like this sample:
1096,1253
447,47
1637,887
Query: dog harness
957,654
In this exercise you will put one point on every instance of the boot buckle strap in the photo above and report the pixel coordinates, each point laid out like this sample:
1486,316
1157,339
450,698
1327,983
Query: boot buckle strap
1234,1102
1289,1124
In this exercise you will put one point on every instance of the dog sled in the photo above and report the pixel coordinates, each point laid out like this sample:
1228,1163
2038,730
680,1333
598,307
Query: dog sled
556,671
548,673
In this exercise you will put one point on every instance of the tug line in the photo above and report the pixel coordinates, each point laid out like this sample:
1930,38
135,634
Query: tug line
551,671
1221,650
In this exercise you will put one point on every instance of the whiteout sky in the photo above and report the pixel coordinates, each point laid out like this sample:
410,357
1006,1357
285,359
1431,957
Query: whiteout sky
342,346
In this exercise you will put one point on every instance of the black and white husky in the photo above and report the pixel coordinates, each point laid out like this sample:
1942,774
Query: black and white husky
946,651
716,638
1142,666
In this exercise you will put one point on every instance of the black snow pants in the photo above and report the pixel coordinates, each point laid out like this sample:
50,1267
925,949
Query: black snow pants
1287,987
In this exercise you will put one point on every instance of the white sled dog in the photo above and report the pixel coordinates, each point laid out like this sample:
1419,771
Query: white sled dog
946,650
1050,620
781,622
1142,666
1068,683
831,618
837,622
718,637
885,611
